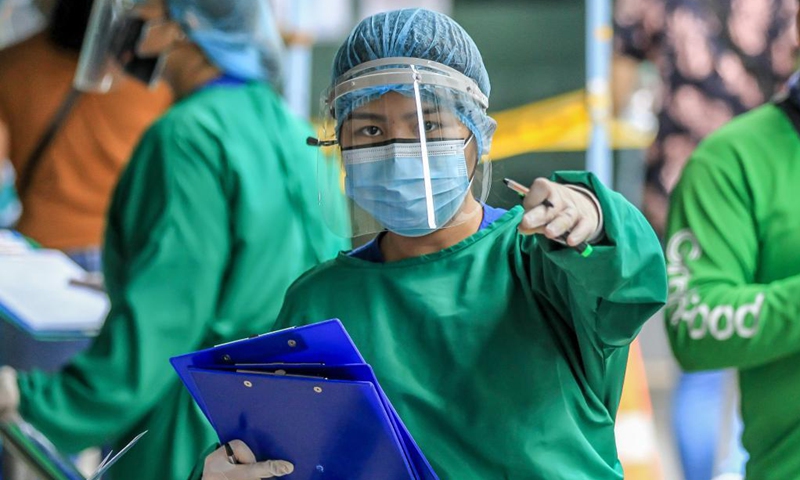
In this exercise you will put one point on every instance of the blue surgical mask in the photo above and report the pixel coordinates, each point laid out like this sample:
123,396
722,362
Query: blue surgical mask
388,182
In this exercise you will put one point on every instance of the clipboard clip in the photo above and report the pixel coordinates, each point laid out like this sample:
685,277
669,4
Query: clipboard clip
93,281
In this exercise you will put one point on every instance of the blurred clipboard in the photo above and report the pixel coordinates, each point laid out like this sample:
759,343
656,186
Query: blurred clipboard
26,444
38,294
304,395
30,446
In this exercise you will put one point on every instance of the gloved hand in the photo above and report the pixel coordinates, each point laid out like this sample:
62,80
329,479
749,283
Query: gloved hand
218,466
9,393
553,210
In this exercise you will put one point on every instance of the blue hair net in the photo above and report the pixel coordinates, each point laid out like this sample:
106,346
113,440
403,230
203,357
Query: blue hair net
238,36
417,33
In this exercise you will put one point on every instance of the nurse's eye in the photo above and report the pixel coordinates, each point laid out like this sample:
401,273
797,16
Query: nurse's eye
371,131
431,126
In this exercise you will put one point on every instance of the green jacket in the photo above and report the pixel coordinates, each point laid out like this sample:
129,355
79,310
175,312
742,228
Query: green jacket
734,276
214,218
504,354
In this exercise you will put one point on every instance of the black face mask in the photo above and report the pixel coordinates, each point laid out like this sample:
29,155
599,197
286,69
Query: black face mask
123,49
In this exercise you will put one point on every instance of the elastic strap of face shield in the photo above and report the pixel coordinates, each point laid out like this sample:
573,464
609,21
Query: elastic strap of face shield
477,157
395,71
469,139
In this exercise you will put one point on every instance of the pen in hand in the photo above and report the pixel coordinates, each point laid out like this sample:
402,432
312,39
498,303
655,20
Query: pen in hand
229,453
583,248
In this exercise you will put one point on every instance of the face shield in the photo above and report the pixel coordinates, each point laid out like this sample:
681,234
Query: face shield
407,157
123,39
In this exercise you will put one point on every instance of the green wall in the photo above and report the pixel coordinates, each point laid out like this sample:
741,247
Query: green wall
532,49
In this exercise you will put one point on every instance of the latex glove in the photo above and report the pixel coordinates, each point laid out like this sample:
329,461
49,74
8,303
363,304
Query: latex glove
219,467
9,393
553,210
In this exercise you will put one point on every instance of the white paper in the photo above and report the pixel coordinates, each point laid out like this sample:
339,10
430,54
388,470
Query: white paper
35,290
12,243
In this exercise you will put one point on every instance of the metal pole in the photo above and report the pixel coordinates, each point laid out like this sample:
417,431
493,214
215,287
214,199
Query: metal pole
297,85
598,95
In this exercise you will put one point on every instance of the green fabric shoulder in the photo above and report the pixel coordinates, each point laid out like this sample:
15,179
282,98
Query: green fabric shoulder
728,148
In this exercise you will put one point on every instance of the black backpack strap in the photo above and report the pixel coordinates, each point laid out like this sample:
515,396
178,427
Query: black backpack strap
29,170
792,111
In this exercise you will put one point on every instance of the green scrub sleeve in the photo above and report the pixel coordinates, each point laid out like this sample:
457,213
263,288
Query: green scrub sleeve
166,249
608,295
718,316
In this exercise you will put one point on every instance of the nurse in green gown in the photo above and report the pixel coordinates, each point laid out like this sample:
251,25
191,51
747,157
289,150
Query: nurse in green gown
213,219
502,349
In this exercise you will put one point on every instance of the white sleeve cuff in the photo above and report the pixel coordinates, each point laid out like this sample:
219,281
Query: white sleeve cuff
598,233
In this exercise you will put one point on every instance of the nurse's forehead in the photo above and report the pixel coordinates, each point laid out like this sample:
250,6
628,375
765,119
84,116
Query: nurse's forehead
393,101
394,114
395,106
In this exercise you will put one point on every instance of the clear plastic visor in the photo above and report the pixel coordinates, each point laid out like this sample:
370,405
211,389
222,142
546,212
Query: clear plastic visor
405,159
123,40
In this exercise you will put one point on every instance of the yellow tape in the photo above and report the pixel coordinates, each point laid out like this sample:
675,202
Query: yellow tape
559,123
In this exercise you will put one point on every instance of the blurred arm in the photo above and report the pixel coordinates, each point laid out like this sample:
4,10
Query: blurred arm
718,316
167,245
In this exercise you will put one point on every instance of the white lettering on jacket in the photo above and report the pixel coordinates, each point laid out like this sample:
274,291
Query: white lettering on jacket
721,322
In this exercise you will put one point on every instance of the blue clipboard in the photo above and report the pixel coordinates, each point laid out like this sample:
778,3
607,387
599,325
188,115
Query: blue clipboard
321,343
325,428
307,396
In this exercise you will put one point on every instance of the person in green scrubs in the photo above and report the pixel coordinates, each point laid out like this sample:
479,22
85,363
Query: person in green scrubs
213,219
502,348
734,274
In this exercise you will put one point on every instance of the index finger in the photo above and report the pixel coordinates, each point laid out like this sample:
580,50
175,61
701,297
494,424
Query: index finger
540,190
240,451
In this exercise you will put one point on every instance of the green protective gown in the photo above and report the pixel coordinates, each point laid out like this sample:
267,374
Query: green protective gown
214,218
504,354
734,276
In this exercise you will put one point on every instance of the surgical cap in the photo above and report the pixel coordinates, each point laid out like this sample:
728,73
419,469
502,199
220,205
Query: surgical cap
238,36
424,34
